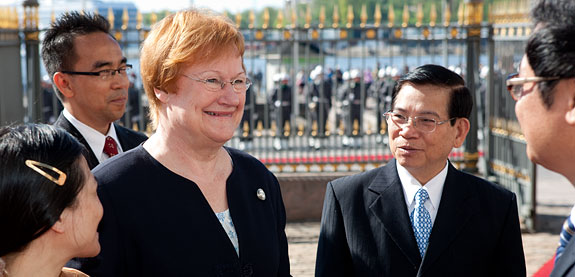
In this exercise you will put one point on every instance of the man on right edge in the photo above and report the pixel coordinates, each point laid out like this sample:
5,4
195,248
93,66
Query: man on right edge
418,215
545,93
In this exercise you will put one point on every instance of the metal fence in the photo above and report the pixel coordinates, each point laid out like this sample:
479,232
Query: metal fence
507,162
320,90
338,83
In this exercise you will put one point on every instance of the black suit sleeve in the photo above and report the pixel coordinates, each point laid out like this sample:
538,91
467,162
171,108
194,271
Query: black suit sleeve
284,265
333,255
510,256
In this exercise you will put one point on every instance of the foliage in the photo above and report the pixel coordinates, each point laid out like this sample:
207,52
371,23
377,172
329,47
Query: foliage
147,17
342,5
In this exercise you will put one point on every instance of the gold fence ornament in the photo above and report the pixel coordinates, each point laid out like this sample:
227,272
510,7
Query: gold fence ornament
405,16
111,18
447,15
390,15
432,15
125,19
363,16
419,15
377,16
252,19
307,17
349,16
335,17
321,17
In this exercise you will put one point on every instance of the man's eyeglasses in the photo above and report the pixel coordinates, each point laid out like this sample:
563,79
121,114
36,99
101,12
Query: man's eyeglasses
104,74
515,84
213,84
421,123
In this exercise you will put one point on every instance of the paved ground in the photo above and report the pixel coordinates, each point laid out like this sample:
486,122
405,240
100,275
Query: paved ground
555,197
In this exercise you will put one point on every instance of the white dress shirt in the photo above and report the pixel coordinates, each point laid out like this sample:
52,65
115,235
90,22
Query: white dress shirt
95,139
434,188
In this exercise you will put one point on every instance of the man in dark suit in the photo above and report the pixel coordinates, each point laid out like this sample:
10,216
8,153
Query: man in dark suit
89,75
545,93
418,215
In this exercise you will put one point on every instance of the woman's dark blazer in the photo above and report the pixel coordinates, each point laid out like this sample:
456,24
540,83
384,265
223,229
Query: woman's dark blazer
157,223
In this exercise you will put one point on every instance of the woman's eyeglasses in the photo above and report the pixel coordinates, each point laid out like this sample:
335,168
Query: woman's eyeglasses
240,85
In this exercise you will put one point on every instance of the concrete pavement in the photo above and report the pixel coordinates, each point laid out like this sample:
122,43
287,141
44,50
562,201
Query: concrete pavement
555,198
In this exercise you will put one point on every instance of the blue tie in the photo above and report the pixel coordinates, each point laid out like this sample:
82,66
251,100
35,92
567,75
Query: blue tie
566,234
421,221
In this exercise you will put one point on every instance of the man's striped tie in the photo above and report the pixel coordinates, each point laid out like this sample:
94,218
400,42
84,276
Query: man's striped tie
566,233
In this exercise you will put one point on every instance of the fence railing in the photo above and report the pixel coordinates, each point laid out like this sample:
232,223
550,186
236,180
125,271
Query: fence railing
321,85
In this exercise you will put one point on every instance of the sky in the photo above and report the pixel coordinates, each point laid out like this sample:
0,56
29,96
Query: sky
158,5
217,5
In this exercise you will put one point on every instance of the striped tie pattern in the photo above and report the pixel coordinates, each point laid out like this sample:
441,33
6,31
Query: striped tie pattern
566,233
421,221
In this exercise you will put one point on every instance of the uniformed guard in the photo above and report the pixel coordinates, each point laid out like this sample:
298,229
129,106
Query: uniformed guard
378,92
354,100
319,101
282,101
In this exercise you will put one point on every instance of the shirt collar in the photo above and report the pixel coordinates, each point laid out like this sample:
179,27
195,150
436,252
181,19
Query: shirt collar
410,185
95,139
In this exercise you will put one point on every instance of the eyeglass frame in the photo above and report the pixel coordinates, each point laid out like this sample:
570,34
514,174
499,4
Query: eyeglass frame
513,81
222,83
414,120
112,72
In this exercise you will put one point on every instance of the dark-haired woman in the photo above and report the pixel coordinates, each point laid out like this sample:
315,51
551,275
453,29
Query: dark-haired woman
49,208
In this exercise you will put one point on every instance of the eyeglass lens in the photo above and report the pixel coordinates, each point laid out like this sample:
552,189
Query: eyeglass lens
238,85
111,72
425,124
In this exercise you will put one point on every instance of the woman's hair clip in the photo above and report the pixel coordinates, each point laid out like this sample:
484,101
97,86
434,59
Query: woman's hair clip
36,166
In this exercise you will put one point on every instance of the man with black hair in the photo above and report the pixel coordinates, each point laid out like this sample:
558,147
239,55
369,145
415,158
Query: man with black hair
89,75
418,215
544,90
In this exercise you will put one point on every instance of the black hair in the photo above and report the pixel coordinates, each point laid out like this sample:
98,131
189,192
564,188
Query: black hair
553,12
58,43
29,202
551,53
460,103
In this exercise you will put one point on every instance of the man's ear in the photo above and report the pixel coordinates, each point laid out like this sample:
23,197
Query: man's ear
163,96
570,114
62,82
462,126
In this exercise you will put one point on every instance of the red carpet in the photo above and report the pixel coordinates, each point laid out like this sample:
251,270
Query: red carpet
545,269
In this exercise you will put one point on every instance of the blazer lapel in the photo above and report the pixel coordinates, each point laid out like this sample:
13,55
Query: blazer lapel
63,123
389,207
128,139
458,204
124,138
